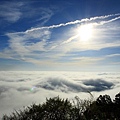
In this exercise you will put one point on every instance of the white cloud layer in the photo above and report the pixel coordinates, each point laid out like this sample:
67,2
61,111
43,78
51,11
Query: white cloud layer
18,89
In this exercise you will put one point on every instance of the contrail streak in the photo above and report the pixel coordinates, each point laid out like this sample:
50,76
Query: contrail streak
77,22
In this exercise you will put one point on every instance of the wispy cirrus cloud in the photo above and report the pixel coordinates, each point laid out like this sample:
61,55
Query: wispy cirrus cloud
11,11
14,11
41,46
44,15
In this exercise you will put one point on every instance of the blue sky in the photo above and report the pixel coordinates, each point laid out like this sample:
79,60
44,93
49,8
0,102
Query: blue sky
75,35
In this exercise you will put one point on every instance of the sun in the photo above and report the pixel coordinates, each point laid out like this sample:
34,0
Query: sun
85,32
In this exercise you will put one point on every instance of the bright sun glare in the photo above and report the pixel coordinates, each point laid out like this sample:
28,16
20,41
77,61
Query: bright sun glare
85,32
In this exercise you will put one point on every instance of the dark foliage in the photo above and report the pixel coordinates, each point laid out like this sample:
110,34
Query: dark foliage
52,109
63,109
104,109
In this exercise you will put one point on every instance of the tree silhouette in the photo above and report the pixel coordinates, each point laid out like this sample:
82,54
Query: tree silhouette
63,109
104,100
117,99
117,106
52,109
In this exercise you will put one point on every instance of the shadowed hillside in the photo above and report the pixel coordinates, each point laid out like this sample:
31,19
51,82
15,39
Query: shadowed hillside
103,108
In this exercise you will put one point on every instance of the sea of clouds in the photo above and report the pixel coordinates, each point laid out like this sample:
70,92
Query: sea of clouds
19,89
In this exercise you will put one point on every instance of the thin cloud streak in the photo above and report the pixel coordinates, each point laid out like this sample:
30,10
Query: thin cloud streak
114,19
77,22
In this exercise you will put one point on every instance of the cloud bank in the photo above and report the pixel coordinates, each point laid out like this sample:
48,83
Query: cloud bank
24,88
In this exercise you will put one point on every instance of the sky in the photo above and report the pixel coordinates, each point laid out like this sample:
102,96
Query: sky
64,35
